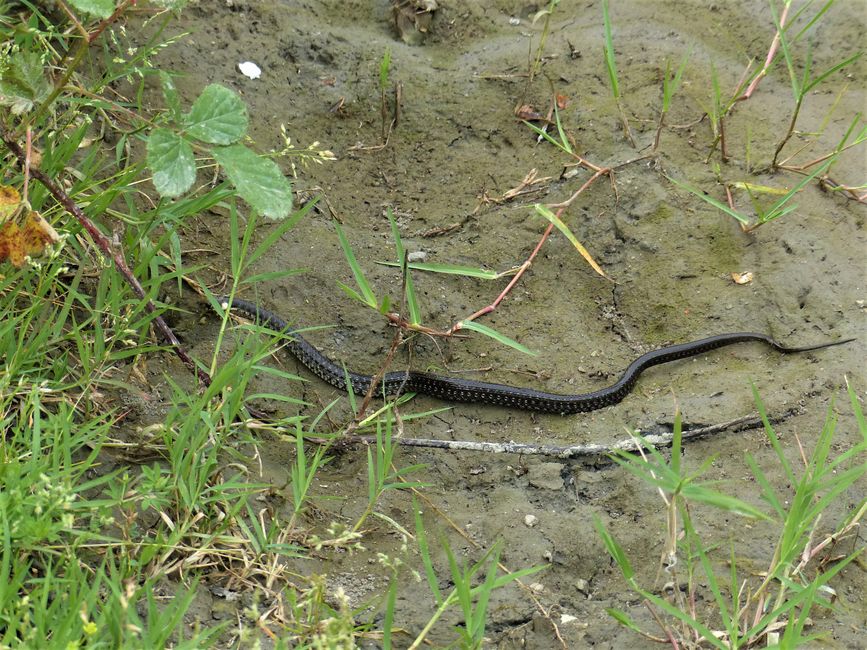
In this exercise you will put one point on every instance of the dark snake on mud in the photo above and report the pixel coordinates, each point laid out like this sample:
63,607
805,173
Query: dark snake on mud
480,392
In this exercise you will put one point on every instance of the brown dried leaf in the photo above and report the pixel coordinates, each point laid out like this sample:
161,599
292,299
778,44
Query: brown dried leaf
18,243
10,200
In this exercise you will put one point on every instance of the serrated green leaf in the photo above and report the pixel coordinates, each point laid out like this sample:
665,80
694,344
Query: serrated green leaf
170,158
494,334
170,92
258,180
98,8
23,84
218,116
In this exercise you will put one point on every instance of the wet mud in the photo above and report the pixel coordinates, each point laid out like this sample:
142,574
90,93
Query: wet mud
456,149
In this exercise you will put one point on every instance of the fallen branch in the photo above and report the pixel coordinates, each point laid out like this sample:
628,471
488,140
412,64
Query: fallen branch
573,451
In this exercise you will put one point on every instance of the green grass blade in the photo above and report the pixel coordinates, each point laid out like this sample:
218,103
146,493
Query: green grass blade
614,550
424,550
772,437
563,228
787,55
388,619
670,86
494,334
712,201
542,133
777,209
608,48
450,269
364,286
768,493
815,82
565,144
411,297
281,228
623,618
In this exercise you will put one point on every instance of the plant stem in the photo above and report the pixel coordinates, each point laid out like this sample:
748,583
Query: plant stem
789,133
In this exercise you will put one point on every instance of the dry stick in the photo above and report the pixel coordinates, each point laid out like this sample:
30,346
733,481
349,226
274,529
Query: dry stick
574,451
115,253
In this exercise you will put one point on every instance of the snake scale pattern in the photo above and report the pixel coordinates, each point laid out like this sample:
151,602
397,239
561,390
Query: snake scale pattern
455,389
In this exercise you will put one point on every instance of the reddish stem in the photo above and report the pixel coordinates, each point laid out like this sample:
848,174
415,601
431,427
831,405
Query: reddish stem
772,52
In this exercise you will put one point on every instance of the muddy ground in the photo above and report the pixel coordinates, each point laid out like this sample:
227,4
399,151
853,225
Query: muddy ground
456,149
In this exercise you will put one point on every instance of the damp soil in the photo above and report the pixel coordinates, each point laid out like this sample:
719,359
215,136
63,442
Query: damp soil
456,149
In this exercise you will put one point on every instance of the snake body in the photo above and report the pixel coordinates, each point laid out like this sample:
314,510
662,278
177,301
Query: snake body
481,392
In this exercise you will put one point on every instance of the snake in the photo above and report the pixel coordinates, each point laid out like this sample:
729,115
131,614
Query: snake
455,389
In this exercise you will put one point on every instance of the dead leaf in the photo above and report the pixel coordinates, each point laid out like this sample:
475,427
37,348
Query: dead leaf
18,243
742,278
10,201
528,113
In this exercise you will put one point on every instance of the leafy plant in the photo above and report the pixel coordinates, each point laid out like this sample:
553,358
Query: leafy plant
781,599
217,117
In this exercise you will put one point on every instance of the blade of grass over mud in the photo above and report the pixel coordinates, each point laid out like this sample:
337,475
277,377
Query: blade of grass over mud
367,296
778,208
259,278
608,47
411,298
388,621
494,334
424,550
542,133
282,227
712,201
614,550
566,145
452,269
671,85
563,228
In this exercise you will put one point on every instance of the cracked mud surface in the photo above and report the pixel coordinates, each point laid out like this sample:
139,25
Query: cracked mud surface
669,254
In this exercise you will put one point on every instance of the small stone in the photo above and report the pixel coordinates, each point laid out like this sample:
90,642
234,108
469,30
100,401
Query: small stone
538,587
416,256
583,586
531,520
546,476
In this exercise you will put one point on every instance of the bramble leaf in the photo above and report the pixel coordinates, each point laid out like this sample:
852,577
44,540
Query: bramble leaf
258,180
170,158
22,83
218,116
98,8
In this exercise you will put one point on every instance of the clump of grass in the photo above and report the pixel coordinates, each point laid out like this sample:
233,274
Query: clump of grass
611,69
670,86
771,608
